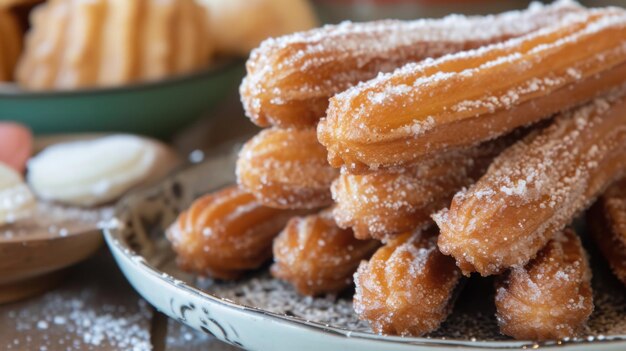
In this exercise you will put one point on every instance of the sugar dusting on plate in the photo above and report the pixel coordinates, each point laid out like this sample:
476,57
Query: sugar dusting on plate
77,321
53,220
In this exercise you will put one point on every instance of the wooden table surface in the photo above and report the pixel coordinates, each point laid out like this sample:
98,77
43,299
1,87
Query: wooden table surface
93,307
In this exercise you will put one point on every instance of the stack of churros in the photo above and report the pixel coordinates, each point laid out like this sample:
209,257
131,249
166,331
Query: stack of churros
428,150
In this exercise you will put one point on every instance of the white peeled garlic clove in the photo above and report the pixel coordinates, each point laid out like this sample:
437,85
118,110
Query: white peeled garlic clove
94,172
16,200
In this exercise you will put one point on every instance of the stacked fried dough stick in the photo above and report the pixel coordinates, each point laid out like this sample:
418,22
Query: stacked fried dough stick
440,135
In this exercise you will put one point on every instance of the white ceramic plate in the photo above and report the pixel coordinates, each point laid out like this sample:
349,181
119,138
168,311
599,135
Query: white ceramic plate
259,313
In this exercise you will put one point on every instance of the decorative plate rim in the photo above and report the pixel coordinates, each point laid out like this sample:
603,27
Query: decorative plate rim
215,69
115,242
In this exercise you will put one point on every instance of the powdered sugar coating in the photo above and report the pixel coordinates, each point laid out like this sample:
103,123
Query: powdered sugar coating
286,168
84,319
226,233
291,78
388,202
316,256
471,322
407,286
535,188
550,298
428,107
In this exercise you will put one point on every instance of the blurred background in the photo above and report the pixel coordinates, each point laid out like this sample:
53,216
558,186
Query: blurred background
193,107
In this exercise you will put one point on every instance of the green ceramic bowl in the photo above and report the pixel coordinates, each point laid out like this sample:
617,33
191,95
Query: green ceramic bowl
157,108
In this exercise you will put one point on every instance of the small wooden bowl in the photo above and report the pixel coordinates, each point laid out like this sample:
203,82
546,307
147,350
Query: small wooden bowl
34,252
34,265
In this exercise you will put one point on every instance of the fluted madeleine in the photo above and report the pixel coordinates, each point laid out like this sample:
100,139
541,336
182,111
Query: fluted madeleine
550,298
291,78
225,233
461,99
316,256
535,188
607,221
75,44
286,168
407,287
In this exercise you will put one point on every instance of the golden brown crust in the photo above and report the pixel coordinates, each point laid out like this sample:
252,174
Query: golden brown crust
407,287
550,298
388,202
226,233
607,219
425,108
77,44
535,188
316,256
15,3
10,44
286,168
291,78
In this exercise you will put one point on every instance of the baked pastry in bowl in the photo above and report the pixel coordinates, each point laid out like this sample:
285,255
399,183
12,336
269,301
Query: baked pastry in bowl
75,44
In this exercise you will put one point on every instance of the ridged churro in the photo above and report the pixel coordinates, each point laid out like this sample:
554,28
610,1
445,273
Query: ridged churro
407,287
291,78
549,298
535,188
387,202
316,256
461,99
607,220
286,168
225,233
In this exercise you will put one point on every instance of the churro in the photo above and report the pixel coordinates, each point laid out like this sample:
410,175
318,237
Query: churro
407,287
316,256
607,221
389,202
226,233
286,168
425,108
291,78
549,298
535,188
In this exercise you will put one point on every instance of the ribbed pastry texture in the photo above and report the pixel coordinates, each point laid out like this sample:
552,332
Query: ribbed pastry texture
535,188
388,202
550,298
291,78
226,233
286,168
407,287
86,43
316,256
461,99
